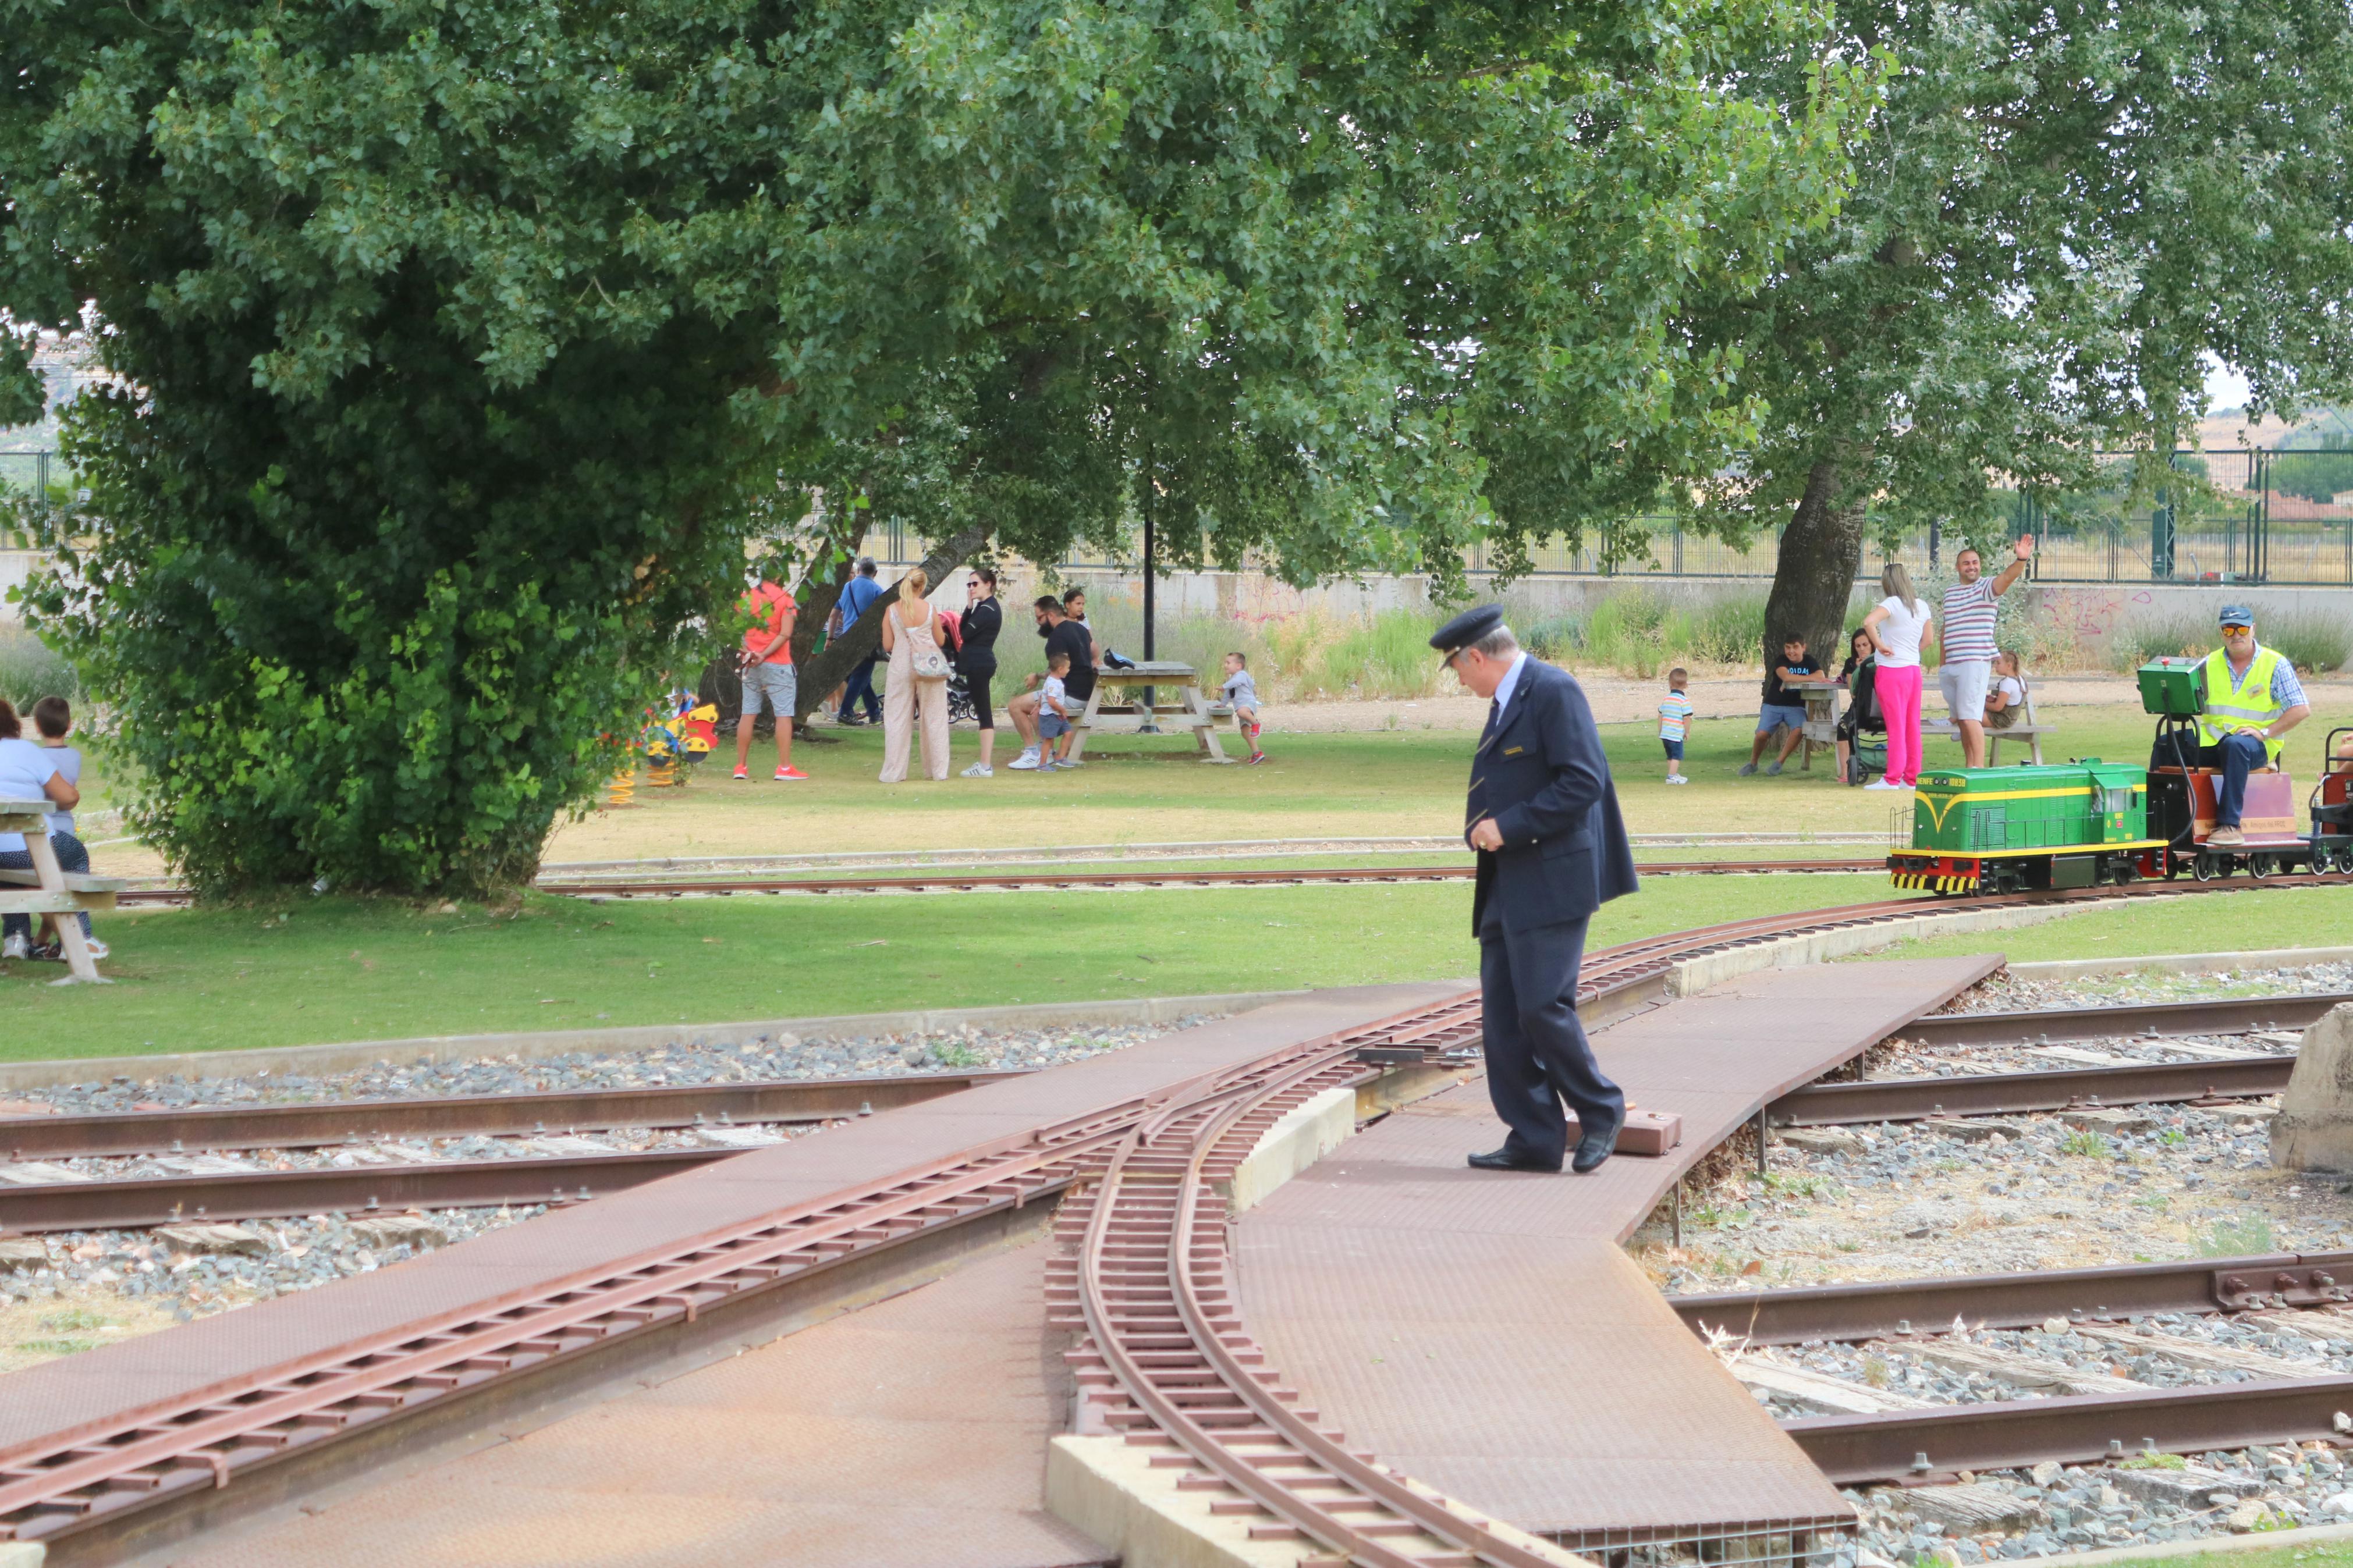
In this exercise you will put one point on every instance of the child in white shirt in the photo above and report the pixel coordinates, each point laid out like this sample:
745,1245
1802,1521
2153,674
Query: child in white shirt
1054,714
1241,696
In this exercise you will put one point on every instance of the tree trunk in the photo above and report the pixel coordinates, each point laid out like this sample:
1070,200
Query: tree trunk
831,666
1820,553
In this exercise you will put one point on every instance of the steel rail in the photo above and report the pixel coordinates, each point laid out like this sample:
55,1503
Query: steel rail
1895,1309
2007,1093
134,1202
1238,1390
1932,1445
948,879
69,1479
2218,1016
319,1124
72,1478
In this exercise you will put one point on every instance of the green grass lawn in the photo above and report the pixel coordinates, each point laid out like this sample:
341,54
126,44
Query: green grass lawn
334,969
1373,785
2309,1554
2244,921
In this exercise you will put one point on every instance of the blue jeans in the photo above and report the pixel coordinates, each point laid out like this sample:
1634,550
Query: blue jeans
71,857
2237,756
860,684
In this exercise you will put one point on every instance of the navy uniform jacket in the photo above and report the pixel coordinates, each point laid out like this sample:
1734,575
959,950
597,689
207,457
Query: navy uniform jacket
1542,776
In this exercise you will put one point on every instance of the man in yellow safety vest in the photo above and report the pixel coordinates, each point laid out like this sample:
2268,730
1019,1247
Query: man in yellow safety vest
2253,698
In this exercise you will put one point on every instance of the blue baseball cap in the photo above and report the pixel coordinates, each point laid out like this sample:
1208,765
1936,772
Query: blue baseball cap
2236,615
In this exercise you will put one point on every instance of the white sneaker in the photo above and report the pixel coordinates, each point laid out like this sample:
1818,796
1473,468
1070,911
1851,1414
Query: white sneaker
1881,783
1677,778
96,948
16,947
980,771
1024,762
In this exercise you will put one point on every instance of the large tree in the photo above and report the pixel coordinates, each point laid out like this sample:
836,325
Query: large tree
460,347
2061,211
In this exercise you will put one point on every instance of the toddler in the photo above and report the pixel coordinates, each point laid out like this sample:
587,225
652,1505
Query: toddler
1675,724
1241,696
1054,715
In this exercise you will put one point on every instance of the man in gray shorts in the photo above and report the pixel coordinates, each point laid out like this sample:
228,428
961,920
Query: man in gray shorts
769,674
1969,641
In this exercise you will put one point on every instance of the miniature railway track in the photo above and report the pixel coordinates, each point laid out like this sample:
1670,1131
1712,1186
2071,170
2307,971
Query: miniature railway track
953,880
1934,1444
319,1124
278,1194
86,1477
2013,1093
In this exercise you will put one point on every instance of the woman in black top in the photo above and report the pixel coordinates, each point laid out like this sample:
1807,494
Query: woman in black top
977,659
1861,717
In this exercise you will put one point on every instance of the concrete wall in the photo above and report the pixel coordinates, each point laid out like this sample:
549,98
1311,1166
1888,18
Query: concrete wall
2090,611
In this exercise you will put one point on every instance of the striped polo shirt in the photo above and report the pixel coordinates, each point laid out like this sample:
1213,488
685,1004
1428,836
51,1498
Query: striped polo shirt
1675,715
1968,621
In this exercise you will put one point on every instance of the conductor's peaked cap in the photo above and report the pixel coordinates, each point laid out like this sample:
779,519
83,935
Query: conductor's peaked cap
1467,627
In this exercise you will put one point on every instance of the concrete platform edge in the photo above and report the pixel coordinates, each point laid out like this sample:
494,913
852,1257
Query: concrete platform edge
353,1055
1693,976
22,1554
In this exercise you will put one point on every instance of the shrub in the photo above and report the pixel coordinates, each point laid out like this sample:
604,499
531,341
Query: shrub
30,670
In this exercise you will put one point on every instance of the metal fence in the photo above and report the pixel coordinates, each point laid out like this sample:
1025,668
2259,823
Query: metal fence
2264,515
2268,516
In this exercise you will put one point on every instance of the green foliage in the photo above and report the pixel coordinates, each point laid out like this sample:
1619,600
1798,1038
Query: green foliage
2320,475
2312,640
2088,1144
2246,1235
1644,633
2061,211
461,349
29,670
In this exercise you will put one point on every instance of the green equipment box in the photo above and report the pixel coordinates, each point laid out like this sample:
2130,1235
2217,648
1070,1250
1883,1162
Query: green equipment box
2175,686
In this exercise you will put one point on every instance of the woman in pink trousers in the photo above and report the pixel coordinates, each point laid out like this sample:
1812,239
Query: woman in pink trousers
1897,626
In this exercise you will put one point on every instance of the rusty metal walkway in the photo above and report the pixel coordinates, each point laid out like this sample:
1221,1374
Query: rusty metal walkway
911,1434
1486,1333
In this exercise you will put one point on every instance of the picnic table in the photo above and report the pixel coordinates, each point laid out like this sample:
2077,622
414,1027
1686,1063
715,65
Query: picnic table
1198,714
1824,696
49,889
2028,733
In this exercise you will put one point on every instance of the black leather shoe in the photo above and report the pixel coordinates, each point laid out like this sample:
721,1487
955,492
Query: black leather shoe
1505,1159
1595,1147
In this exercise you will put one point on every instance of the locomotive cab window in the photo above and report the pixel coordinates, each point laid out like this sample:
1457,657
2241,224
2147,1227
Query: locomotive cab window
2115,801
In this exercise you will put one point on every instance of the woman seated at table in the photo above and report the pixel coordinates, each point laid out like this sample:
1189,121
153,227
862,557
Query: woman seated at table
29,772
1861,715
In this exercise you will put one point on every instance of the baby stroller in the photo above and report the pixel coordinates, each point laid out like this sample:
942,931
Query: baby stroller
960,708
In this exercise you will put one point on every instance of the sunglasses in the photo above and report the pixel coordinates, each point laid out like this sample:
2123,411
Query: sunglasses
2234,626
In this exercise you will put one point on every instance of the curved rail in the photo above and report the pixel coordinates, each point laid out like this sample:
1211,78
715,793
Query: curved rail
135,1458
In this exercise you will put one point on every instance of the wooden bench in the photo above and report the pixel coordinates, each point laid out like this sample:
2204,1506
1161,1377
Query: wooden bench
2030,733
53,891
1131,714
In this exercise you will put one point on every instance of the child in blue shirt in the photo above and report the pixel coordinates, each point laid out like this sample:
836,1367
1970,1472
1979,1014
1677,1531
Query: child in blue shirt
1675,724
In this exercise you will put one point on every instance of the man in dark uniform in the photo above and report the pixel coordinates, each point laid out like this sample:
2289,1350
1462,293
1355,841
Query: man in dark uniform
1543,815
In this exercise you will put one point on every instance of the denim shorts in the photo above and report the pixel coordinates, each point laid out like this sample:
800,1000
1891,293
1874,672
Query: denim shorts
1051,726
1674,748
777,682
1773,715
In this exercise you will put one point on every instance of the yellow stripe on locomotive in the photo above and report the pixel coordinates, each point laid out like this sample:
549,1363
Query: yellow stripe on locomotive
2004,829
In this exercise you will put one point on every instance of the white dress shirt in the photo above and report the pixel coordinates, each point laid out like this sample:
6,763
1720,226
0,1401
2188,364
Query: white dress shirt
1510,683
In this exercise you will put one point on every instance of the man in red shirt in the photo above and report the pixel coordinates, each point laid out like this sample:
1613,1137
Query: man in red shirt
768,669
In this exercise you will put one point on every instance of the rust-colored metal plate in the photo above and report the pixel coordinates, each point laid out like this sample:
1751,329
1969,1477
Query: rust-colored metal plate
911,1434
94,1391
1485,1333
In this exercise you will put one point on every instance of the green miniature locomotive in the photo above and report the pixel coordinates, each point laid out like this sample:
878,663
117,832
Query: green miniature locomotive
2015,828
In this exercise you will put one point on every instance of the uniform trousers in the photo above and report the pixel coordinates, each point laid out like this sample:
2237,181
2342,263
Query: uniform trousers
1537,1056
